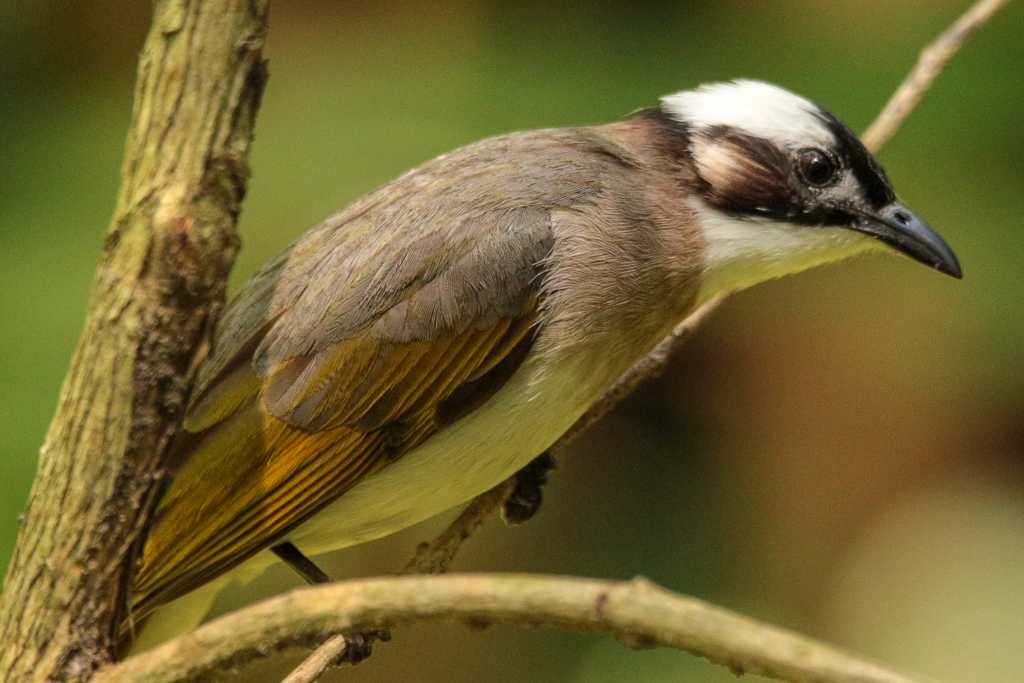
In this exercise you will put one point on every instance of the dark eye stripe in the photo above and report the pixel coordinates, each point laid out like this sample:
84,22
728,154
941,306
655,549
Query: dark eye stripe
767,193
868,172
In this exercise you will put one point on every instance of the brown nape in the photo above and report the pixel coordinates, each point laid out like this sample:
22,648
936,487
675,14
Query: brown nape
668,136
627,263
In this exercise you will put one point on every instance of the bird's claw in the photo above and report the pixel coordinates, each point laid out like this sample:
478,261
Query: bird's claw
359,645
525,500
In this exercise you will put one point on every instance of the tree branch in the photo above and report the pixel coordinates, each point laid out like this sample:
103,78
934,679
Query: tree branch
325,656
436,556
159,284
930,64
638,613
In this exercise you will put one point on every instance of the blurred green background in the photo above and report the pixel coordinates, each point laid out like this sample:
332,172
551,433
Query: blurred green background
839,452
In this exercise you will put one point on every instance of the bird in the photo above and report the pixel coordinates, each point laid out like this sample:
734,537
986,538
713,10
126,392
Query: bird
431,339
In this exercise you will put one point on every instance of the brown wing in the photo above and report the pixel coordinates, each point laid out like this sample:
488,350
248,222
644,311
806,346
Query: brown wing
320,378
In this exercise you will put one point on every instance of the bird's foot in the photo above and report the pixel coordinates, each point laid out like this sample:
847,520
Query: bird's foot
359,645
526,498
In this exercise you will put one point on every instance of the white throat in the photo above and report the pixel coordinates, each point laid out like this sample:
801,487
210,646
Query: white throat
740,252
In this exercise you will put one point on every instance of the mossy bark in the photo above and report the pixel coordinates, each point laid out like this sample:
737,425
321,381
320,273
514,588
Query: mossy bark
157,289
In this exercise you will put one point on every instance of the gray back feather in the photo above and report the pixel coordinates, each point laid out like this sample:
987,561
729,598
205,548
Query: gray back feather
456,242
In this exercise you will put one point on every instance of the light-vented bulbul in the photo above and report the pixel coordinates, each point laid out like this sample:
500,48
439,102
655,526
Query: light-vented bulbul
428,341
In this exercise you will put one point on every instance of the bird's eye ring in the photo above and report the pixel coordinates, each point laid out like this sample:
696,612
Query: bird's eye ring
816,167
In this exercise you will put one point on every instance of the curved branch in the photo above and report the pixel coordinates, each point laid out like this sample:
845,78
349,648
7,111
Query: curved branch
638,613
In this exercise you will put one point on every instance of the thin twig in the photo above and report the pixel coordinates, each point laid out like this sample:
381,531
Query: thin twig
328,654
637,613
437,555
930,64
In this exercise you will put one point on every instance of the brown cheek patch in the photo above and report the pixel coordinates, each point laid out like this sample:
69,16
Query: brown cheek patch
741,175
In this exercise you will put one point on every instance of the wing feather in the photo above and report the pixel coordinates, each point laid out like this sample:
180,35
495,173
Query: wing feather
271,439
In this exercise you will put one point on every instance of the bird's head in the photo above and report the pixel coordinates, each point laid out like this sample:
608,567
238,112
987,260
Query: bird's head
783,185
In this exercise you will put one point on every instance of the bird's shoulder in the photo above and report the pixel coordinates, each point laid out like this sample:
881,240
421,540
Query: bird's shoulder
458,242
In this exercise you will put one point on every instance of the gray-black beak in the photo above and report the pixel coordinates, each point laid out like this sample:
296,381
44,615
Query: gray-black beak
898,227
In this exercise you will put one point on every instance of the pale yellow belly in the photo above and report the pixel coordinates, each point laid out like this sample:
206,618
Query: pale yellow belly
465,459
518,423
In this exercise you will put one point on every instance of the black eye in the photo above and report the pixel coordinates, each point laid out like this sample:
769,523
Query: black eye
816,167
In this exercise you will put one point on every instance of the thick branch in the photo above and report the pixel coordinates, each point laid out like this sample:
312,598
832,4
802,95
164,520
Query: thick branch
637,612
160,281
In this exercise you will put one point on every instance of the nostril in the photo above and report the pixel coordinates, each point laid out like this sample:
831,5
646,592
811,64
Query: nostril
902,217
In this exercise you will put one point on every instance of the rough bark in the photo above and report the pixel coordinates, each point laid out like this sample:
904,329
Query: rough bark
158,286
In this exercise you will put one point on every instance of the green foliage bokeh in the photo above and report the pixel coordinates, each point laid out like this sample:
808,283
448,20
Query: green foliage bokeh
839,451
